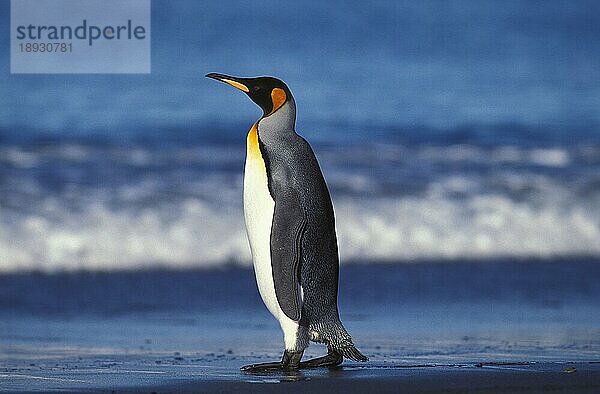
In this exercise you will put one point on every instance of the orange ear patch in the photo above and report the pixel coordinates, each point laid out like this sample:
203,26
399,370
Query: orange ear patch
278,97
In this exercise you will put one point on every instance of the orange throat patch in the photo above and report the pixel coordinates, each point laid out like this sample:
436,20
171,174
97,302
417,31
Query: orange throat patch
252,148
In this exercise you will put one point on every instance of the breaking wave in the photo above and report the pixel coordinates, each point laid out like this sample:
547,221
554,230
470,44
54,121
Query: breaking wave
75,205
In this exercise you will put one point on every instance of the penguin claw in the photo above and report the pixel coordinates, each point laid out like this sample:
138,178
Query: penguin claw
332,359
289,362
268,367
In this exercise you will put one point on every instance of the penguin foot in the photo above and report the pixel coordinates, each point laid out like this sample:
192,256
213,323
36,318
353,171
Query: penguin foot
263,367
289,362
332,359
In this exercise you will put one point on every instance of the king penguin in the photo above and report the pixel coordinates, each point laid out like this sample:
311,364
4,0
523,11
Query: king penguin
291,230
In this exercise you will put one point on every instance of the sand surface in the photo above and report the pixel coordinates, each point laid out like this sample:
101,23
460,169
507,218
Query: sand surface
505,327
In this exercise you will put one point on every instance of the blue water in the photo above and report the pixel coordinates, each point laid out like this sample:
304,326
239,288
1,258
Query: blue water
445,131
82,330
397,314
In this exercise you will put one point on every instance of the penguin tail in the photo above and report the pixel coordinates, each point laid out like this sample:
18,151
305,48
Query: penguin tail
337,339
351,352
343,344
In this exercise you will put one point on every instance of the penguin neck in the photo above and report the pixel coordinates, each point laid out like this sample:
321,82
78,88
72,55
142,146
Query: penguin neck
282,121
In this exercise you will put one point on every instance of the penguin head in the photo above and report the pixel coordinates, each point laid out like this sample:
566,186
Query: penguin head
267,92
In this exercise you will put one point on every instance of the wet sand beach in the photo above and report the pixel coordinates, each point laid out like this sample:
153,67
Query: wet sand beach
503,326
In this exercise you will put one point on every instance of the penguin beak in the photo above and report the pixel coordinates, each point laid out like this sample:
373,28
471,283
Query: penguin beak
233,81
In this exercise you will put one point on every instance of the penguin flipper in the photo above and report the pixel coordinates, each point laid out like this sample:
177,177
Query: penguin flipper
289,224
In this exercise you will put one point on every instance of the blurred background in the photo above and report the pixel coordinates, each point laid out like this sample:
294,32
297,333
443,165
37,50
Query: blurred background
460,141
446,131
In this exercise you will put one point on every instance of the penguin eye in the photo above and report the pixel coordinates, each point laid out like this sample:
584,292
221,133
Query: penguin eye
256,88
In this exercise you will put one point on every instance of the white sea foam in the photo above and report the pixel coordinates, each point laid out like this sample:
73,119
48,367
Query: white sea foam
191,234
196,234
482,227
83,206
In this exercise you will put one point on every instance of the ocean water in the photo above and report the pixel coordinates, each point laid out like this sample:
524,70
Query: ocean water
383,306
445,132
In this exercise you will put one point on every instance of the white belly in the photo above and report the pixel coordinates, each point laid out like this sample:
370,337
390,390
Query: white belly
258,212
